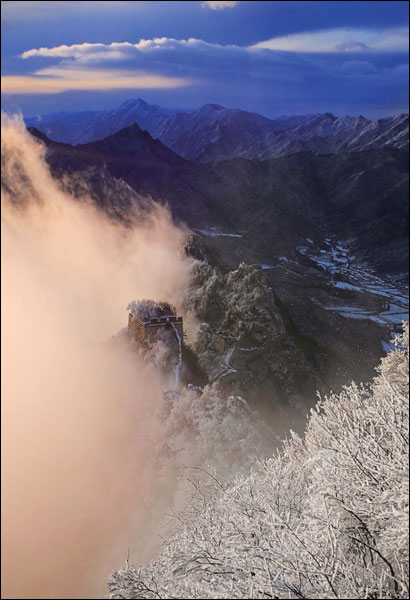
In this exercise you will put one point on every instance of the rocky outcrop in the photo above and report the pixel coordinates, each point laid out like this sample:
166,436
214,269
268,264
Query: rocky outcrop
243,343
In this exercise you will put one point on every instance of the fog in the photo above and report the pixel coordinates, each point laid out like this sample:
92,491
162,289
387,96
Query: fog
78,417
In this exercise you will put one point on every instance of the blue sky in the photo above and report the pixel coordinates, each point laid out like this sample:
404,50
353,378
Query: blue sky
274,57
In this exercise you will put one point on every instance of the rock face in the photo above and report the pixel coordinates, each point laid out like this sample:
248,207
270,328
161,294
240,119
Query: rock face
214,133
321,313
243,343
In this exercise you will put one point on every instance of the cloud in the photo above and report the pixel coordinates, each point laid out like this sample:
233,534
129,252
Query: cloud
351,47
112,51
92,451
80,427
342,40
53,80
219,4
189,52
159,63
255,78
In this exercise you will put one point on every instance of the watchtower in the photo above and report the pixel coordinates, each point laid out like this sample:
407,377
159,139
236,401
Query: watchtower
143,330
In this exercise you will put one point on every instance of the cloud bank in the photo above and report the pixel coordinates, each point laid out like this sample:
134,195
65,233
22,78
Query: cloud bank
78,415
144,64
324,41
342,39
53,80
92,448
302,73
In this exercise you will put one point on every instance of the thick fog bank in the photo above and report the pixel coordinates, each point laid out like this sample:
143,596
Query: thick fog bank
78,421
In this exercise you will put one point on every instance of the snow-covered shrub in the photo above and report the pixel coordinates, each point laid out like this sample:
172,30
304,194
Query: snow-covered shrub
327,517
212,430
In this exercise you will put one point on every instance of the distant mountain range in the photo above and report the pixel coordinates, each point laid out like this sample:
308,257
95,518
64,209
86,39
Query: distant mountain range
214,133
279,201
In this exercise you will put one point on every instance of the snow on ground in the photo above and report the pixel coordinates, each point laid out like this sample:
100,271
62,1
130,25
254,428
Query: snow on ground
228,356
212,232
347,286
357,313
347,273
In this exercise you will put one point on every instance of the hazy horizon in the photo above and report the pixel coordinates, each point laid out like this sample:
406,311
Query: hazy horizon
192,109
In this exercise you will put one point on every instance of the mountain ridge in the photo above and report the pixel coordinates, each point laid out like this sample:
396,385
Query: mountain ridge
213,132
359,195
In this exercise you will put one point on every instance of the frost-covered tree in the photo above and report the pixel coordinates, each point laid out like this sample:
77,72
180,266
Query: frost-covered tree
204,428
326,517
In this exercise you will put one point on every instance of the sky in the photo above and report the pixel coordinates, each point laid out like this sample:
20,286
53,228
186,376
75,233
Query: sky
271,57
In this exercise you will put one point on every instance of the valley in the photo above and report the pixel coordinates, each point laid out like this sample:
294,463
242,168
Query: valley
318,227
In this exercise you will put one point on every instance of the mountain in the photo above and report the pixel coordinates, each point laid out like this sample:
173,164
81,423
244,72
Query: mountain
145,165
328,134
88,126
329,231
280,201
214,133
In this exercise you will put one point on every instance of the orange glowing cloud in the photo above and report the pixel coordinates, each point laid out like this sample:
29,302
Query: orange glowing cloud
54,80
